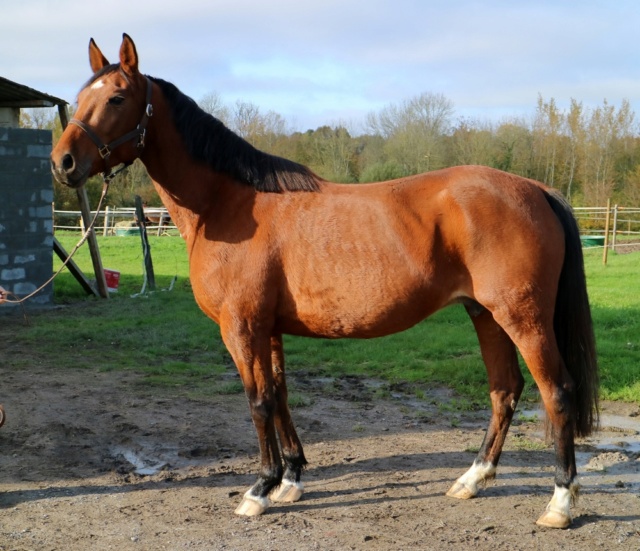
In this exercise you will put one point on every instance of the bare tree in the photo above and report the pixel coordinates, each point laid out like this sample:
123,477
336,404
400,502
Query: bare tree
414,131
212,103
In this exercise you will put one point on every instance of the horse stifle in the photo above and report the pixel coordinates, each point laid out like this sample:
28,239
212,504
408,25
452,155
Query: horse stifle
275,249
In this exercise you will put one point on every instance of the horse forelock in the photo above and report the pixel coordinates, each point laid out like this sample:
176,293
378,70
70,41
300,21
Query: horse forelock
208,140
106,70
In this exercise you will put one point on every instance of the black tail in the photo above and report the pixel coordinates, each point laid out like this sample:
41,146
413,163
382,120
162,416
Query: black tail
572,321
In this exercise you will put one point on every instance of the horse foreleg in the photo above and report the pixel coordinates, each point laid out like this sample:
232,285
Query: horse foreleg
291,487
505,383
252,356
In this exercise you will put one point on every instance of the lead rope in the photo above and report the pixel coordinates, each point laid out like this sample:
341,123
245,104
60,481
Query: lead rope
5,294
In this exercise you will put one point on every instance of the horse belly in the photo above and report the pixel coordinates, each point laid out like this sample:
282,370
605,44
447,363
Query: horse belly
360,306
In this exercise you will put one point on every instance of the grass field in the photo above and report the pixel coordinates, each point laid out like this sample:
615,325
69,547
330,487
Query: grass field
165,335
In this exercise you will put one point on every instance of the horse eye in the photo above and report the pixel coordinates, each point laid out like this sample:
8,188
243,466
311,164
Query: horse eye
116,100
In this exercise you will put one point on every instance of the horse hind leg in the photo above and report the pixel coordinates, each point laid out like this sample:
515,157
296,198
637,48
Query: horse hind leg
291,487
557,391
506,384
537,344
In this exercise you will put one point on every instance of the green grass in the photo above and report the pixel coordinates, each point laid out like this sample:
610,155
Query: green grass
614,292
167,338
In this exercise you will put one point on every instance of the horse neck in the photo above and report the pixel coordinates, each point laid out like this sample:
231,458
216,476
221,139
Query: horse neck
188,189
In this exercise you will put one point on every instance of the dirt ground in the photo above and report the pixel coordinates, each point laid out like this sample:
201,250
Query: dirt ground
95,460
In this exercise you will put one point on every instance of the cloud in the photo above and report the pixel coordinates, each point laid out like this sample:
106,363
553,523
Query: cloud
340,58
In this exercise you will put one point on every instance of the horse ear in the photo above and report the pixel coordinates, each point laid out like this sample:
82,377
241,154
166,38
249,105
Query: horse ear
128,55
96,59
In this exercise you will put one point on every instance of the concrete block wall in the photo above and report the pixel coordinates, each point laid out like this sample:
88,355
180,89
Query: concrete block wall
26,213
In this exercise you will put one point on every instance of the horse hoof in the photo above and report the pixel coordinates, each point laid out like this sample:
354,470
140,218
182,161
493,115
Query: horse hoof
554,519
252,506
460,491
288,492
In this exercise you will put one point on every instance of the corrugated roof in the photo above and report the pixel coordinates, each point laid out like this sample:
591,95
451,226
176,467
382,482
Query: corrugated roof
13,94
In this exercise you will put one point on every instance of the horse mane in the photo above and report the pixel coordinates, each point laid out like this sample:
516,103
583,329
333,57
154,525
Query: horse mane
208,140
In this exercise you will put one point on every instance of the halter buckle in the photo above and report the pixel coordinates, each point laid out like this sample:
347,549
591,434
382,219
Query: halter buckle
104,151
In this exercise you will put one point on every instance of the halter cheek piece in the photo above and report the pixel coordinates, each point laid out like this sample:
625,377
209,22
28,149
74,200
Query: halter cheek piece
106,149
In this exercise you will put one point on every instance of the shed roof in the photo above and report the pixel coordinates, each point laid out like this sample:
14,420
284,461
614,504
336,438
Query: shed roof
13,94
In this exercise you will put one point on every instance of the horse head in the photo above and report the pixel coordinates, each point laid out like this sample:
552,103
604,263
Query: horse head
110,122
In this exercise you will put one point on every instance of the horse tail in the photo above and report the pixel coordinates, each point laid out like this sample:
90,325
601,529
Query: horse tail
572,321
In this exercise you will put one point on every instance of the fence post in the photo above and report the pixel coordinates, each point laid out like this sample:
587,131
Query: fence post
160,224
105,231
146,249
615,227
606,232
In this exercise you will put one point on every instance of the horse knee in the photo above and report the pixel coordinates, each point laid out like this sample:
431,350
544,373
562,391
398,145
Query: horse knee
262,410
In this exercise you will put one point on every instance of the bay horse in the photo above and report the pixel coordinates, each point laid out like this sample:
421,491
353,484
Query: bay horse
274,249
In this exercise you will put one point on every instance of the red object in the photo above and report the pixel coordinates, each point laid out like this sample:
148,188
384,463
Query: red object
113,279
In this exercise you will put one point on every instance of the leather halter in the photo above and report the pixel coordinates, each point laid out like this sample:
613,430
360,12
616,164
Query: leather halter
105,149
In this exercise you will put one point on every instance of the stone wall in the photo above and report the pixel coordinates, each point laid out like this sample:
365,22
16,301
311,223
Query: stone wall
26,213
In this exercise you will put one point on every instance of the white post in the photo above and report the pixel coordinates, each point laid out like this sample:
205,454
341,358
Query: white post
105,231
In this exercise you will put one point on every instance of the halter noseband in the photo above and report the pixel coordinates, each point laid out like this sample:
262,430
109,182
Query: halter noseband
106,149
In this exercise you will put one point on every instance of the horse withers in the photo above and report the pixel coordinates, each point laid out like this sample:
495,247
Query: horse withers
274,249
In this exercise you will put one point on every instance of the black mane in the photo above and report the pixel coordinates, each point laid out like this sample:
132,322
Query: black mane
208,140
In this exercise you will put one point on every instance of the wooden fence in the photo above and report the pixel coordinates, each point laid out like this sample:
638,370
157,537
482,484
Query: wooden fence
613,225
117,221
620,225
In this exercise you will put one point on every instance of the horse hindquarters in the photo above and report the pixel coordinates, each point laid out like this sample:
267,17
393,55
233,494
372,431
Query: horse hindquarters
539,300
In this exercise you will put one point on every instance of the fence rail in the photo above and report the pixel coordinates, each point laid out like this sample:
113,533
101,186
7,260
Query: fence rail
610,223
623,222
116,221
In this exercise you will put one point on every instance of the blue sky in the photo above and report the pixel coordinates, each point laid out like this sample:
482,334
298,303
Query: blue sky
334,61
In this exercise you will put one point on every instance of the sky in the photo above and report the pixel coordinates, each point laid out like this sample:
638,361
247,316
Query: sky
334,61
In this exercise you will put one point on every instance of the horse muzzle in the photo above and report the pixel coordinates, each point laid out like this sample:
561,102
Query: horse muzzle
67,171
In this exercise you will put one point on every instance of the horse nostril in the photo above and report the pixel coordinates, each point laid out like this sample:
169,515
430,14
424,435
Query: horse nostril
68,163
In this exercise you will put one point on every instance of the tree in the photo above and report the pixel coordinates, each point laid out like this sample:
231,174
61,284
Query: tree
331,153
575,134
547,128
38,118
608,132
212,103
414,131
472,143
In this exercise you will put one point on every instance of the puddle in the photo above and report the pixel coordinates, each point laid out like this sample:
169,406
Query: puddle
617,434
148,459
143,466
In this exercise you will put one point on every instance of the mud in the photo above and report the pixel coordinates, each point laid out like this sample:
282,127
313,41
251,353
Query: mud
93,460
